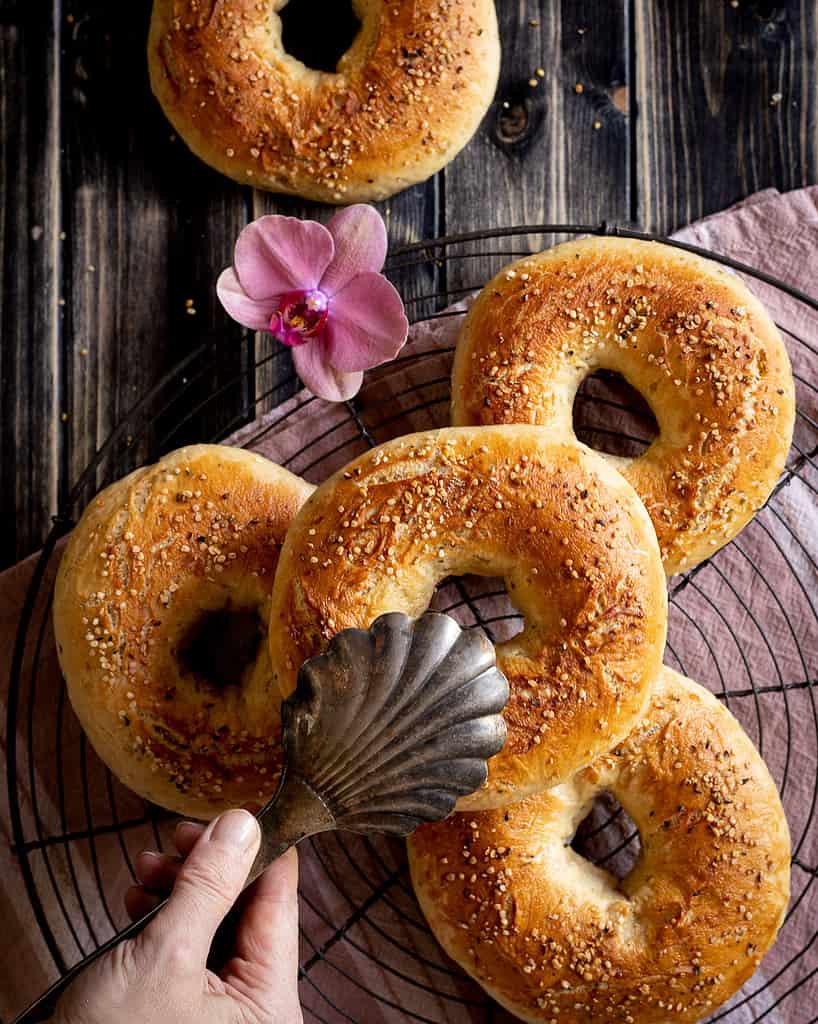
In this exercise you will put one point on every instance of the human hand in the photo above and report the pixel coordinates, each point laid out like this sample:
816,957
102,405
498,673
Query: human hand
161,974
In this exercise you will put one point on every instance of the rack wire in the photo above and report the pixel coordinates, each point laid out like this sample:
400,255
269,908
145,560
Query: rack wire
743,623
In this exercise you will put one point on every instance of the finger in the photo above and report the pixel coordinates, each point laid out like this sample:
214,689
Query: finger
186,836
268,932
209,881
139,901
157,871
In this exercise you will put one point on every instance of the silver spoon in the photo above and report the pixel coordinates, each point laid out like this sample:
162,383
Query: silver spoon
384,731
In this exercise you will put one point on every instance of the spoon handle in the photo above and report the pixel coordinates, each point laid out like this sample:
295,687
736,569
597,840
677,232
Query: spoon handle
295,812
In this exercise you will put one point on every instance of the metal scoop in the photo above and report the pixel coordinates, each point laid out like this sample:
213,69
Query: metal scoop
383,732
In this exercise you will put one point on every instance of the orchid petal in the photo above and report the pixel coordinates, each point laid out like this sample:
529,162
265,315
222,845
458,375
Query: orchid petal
313,367
360,246
366,325
251,313
282,254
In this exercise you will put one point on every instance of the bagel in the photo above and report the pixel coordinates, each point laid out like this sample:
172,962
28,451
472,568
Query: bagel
405,98
688,335
568,534
551,937
160,616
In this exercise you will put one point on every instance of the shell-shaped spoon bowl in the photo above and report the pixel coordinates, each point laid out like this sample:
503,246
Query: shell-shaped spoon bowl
386,730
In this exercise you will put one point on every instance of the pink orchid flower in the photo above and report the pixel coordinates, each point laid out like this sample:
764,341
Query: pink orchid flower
319,290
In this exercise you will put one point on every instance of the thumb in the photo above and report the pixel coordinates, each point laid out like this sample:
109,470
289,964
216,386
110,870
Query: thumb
209,882
267,939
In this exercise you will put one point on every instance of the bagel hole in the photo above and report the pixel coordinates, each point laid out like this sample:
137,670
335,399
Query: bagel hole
612,417
608,837
479,601
220,645
318,32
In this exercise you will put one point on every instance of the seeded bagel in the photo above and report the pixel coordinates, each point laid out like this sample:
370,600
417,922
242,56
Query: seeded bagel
688,335
565,530
404,99
552,937
160,614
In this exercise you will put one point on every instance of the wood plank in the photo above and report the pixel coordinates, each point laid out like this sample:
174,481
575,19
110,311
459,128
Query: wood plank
148,229
728,104
554,151
29,247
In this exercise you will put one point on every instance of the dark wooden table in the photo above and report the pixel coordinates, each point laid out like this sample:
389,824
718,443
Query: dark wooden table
653,112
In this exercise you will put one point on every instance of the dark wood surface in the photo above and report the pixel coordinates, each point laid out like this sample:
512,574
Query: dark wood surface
650,111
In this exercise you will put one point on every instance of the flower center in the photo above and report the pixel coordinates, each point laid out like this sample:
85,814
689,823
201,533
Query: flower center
300,316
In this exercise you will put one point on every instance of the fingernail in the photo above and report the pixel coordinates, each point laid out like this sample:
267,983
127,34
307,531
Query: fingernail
238,828
149,855
183,827
148,861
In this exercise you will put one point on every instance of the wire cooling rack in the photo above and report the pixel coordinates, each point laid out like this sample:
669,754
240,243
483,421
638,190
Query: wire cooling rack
743,623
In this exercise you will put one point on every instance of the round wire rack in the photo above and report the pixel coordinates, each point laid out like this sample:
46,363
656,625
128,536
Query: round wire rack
744,623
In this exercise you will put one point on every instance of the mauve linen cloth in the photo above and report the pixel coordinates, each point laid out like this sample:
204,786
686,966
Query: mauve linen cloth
745,625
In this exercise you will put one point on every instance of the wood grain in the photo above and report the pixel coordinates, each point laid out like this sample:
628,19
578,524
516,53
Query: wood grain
30,355
555,146
728,104
141,252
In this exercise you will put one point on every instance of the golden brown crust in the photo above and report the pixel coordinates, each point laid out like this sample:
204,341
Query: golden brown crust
199,532
688,335
552,937
406,97
572,540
